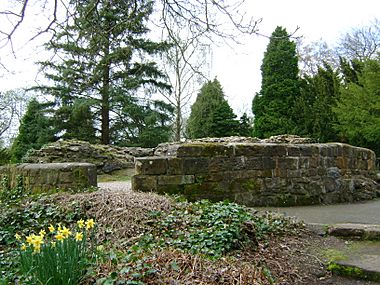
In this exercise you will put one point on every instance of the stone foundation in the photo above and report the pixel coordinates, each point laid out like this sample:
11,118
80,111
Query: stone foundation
261,174
38,178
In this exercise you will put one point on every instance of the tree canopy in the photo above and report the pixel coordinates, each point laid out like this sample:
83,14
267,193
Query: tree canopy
35,130
358,110
273,106
211,116
104,54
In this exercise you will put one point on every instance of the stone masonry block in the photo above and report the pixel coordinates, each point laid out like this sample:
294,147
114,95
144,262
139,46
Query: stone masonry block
195,165
256,150
288,163
175,179
150,165
144,183
205,149
174,166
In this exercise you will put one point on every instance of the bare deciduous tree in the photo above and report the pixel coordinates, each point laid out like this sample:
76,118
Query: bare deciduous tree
361,43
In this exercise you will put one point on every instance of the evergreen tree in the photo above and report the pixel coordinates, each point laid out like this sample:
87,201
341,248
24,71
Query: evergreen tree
143,123
358,110
273,106
76,121
314,108
210,114
103,53
245,126
35,130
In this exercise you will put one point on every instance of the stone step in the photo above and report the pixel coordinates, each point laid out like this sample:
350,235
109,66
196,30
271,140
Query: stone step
348,231
364,267
355,231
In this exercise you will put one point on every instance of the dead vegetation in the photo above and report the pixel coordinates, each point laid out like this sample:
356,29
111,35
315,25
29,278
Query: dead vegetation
123,216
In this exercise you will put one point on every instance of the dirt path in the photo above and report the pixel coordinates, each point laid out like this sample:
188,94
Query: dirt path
115,185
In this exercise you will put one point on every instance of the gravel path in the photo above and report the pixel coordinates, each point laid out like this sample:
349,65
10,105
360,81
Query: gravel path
115,185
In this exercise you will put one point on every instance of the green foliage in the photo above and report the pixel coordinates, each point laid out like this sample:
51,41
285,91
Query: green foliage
207,229
319,95
76,121
59,257
211,116
245,126
5,156
35,130
18,214
273,106
142,123
12,195
358,110
203,228
104,55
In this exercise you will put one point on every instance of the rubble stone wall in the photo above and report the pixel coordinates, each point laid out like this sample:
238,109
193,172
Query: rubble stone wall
39,178
261,174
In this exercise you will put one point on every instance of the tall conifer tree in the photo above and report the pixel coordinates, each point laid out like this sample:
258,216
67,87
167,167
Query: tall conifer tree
273,105
104,54
211,115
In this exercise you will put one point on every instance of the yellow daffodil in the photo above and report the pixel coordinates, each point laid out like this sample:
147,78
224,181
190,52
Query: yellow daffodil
65,231
51,228
78,236
42,233
53,243
80,223
37,248
17,236
59,236
90,224
59,227
23,246
37,240
29,239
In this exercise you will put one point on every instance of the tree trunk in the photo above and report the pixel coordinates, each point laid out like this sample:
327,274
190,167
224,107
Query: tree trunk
105,109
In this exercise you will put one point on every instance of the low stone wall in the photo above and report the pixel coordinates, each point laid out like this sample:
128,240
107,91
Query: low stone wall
261,174
44,177
107,158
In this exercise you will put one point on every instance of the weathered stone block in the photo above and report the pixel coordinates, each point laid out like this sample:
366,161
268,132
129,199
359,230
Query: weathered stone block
171,189
151,165
205,149
269,163
175,179
273,150
256,150
144,183
198,165
293,150
175,166
254,185
288,163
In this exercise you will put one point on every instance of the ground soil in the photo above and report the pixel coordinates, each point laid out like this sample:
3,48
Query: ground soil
292,259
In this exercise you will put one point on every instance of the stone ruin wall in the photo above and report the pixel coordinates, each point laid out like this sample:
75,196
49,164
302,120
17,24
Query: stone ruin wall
38,178
261,174
107,158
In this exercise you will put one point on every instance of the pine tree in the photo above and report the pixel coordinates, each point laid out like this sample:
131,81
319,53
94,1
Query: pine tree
273,105
210,114
35,130
104,54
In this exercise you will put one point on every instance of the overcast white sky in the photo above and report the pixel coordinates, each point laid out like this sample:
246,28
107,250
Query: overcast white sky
237,69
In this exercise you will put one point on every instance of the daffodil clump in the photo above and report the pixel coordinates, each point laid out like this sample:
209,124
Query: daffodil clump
59,255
